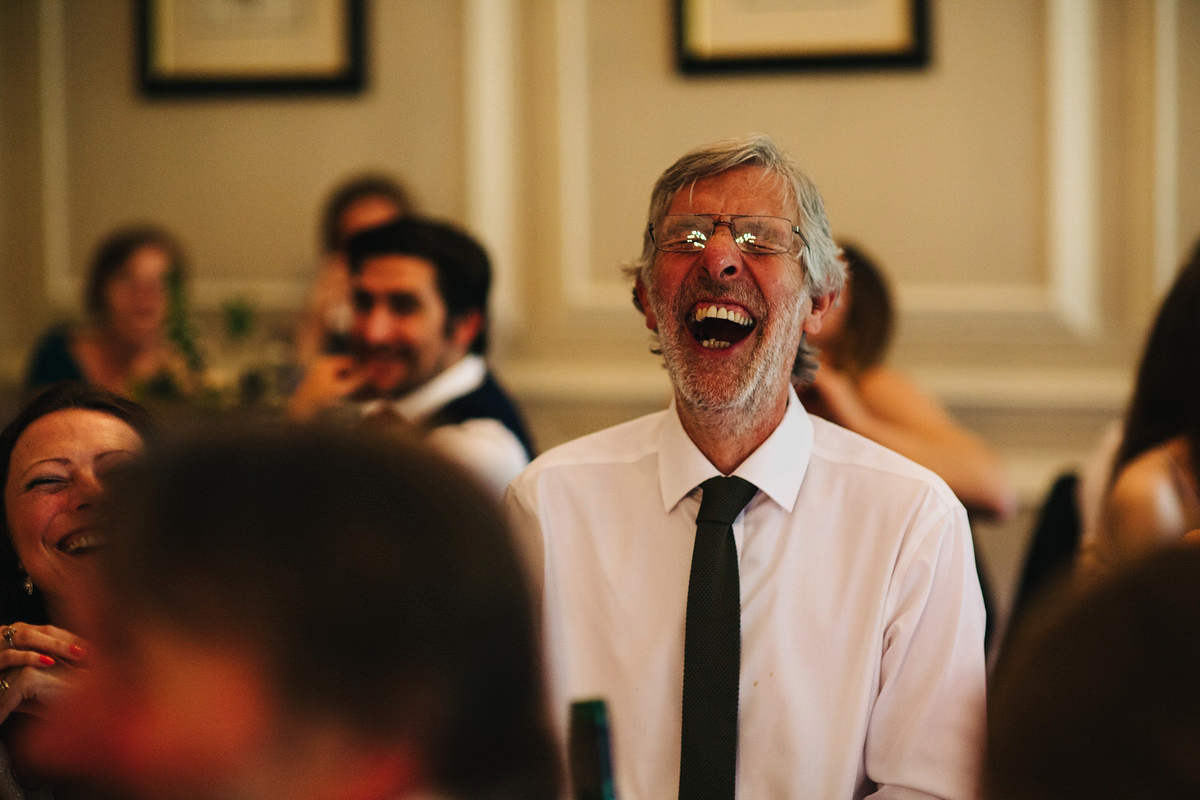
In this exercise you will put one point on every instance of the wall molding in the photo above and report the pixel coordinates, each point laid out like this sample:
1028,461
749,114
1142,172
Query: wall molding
581,290
1072,190
492,155
1088,398
61,288
1014,389
1166,143
1068,299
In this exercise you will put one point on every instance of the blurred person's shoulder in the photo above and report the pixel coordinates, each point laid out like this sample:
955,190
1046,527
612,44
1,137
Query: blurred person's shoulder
624,443
1154,496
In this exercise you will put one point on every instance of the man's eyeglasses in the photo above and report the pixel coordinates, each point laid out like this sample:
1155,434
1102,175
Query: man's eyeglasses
689,233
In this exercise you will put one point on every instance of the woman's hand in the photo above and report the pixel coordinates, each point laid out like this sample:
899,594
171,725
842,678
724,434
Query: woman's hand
38,663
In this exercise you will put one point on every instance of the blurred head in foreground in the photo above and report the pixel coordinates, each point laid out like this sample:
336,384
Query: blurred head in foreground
306,615
1098,696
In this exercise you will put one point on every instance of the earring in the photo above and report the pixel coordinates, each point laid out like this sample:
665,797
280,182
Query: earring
28,585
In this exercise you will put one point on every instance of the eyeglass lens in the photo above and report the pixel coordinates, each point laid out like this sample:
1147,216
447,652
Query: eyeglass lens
685,233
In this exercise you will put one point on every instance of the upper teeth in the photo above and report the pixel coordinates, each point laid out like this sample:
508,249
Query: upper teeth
717,312
84,541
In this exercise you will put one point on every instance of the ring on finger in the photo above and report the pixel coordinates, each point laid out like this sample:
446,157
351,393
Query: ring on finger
8,636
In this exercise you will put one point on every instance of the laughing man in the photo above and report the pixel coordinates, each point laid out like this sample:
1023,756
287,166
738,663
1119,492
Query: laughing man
855,664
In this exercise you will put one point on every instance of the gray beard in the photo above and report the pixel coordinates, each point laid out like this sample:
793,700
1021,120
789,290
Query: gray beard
751,390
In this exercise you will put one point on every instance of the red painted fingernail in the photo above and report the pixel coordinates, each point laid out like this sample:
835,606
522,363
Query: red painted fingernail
47,660
77,651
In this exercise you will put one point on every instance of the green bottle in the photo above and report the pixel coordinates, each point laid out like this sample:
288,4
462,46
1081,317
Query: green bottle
590,751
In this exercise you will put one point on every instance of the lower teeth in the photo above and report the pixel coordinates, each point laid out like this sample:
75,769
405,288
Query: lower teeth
714,344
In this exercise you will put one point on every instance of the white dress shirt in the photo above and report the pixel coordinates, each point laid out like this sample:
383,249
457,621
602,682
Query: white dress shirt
484,446
862,621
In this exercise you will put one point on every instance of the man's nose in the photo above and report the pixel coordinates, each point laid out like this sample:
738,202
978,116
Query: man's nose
378,324
721,257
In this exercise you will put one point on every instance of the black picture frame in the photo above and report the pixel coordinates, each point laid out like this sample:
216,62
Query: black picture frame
238,75
697,57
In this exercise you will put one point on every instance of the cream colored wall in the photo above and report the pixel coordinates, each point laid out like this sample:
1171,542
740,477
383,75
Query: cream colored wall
240,180
1028,236
1010,189
1187,60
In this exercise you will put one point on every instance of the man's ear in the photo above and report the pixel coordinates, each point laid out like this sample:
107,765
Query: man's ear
464,328
821,306
643,303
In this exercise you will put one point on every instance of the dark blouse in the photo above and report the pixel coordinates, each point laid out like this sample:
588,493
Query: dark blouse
52,361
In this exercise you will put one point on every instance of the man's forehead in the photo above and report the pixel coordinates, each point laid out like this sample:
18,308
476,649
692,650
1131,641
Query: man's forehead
394,270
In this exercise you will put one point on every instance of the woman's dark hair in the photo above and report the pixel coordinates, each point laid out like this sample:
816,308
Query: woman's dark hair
1166,396
867,326
114,251
305,545
343,196
15,603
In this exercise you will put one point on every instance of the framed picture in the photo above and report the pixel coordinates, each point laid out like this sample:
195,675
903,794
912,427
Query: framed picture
211,47
740,35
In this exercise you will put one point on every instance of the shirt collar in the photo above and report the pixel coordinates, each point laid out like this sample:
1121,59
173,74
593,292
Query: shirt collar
777,467
465,375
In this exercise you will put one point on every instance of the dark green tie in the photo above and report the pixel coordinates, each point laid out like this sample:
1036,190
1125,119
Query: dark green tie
712,646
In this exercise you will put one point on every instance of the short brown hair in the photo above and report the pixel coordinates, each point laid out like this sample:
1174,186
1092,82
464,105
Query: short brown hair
115,250
349,192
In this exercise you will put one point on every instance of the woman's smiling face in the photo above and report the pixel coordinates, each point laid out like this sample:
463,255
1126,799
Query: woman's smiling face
55,481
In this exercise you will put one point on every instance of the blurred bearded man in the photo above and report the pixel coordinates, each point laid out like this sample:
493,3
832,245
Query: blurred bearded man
419,295
771,605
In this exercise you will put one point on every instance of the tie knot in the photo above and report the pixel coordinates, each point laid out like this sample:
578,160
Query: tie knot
724,499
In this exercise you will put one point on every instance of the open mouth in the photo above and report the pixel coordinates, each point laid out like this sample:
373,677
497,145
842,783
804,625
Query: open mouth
85,542
717,327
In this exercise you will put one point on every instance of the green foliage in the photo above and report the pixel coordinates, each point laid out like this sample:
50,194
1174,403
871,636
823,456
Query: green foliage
238,315
180,329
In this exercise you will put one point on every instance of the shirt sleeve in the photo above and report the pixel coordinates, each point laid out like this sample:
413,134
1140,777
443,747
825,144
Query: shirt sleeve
484,446
527,531
926,731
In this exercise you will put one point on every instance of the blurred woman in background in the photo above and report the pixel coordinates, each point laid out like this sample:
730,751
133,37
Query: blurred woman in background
123,345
